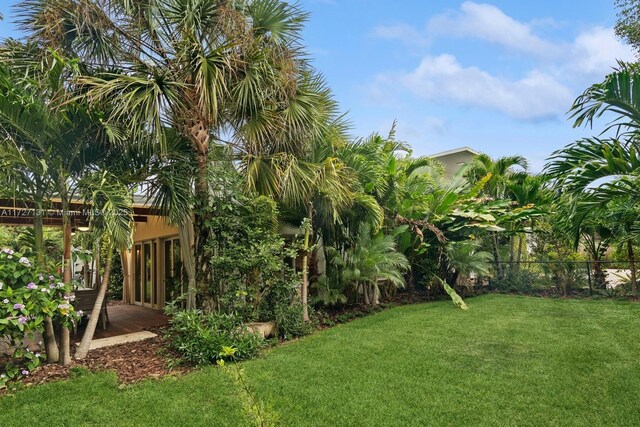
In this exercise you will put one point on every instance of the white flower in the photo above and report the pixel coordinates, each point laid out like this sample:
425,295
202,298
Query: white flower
5,301
25,261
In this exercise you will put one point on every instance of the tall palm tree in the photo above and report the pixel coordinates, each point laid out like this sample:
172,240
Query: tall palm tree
501,175
212,71
500,170
605,170
114,227
315,185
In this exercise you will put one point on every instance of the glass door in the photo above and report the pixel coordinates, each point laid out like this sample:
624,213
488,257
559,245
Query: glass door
172,270
145,277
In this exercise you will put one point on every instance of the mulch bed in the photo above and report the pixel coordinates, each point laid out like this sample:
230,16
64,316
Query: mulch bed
132,362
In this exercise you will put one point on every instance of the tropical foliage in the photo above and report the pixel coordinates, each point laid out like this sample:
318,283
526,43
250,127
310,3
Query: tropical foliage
211,113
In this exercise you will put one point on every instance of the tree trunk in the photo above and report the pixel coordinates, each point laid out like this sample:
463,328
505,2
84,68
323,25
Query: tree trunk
38,234
632,265
49,335
365,293
96,264
202,255
124,260
521,239
304,290
375,294
49,339
83,349
496,254
188,261
512,250
65,342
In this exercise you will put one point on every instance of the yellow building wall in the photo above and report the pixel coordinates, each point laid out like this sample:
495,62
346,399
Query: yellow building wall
155,229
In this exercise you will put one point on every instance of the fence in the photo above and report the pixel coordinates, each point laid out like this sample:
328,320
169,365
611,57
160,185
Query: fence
564,278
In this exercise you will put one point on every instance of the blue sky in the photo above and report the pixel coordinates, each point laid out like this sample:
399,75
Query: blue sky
497,76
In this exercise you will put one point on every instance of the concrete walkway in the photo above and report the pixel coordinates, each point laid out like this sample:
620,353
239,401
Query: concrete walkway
121,339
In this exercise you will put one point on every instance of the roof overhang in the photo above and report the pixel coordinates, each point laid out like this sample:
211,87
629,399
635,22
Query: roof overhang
22,213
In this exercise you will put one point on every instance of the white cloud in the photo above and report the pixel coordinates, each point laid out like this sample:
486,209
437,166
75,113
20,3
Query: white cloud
489,23
545,90
442,78
402,32
595,52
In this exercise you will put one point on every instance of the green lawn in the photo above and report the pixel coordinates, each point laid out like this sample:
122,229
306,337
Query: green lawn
507,361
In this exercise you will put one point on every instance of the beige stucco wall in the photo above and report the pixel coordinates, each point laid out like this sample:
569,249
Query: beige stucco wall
156,228
453,162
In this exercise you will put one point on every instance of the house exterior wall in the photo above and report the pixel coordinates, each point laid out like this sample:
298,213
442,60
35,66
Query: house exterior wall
454,161
157,230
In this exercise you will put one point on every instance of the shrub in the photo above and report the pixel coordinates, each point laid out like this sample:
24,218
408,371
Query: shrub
289,321
27,298
200,338
520,281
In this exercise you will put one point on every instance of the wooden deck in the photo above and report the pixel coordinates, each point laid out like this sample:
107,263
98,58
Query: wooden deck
126,319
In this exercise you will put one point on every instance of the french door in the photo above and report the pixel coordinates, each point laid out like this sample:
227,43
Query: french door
172,270
146,283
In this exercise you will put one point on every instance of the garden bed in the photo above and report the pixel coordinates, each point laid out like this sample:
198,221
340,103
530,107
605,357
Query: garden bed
132,362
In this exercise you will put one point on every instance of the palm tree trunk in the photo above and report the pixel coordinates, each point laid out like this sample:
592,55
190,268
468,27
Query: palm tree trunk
496,254
304,290
188,261
96,264
365,293
124,260
49,335
632,265
83,349
65,342
49,339
521,239
201,254
38,233
512,250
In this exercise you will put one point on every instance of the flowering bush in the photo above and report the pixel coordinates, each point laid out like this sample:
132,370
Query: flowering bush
27,298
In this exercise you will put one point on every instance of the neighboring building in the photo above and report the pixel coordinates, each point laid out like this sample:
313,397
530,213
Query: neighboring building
454,159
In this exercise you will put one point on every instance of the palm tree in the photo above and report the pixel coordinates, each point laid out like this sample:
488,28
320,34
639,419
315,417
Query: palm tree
212,71
373,259
46,125
315,185
500,170
604,171
464,258
109,196
529,192
501,175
